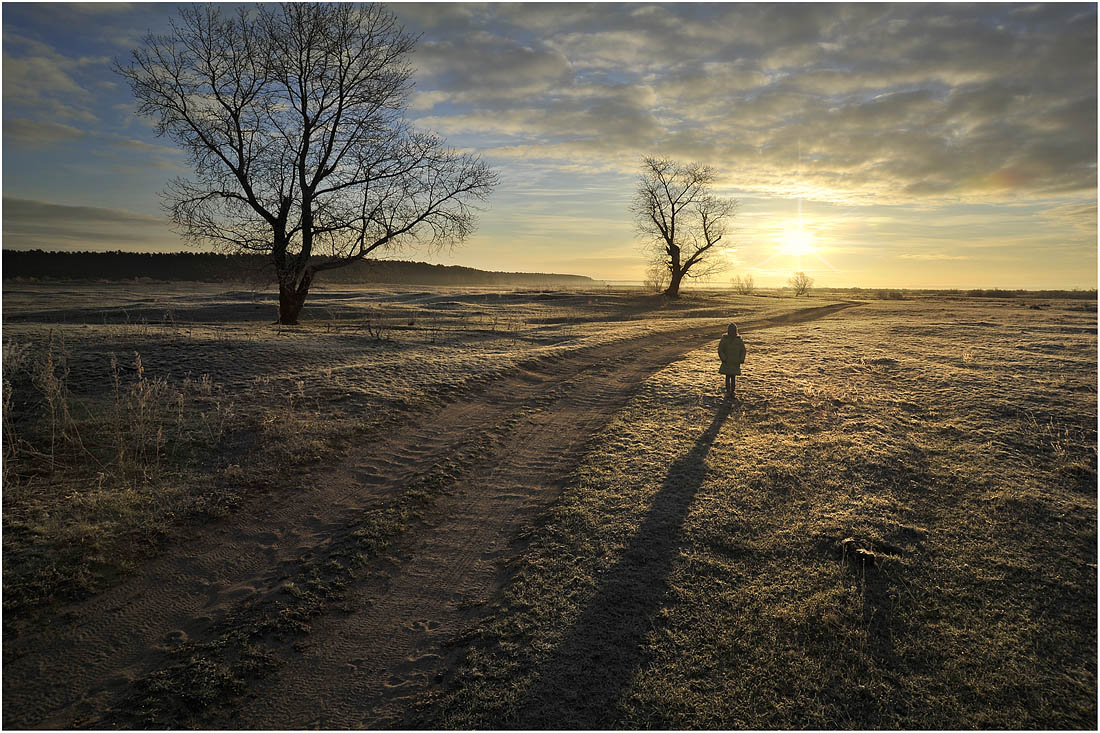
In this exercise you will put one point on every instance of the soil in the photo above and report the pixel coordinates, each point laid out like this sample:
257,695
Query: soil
395,636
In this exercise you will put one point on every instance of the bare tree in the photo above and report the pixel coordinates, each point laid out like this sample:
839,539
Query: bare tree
292,116
743,284
656,278
680,219
800,283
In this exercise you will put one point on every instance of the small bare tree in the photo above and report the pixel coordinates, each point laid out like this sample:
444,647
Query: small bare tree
292,116
744,284
800,283
656,277
680,219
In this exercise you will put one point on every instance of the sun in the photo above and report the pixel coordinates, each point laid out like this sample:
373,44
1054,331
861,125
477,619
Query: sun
798,241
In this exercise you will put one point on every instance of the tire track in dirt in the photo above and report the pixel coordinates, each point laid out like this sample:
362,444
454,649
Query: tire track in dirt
362,667
366,667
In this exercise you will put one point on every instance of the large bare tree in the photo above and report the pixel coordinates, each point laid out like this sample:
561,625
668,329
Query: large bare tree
293,119
680,219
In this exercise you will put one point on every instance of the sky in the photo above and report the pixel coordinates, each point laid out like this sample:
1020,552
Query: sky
868,145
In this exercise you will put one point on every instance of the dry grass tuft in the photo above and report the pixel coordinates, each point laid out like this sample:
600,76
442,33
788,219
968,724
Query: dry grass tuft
91,478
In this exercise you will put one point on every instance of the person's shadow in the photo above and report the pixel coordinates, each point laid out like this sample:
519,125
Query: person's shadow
580,684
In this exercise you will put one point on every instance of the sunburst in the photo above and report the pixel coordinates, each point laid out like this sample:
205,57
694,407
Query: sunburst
798,241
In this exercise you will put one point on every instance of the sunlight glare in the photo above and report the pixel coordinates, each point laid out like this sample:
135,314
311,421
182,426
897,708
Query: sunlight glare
798,242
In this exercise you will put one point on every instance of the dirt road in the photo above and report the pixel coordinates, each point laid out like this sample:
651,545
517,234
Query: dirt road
508,452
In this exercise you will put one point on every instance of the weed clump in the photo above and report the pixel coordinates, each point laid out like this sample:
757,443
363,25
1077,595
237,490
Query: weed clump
87,476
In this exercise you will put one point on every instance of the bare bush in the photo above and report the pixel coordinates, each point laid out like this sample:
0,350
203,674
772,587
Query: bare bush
656,278
146,425
376,327
744,284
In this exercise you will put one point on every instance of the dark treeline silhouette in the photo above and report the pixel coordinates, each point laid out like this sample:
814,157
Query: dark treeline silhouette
212,267
903,293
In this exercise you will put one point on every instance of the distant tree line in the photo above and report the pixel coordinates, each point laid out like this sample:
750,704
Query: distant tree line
255,269
998,293
901,294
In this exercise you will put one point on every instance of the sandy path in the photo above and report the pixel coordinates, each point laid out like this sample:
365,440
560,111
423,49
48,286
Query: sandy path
356,670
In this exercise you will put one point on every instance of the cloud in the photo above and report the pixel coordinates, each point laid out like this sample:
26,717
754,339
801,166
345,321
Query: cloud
856,104
929,257
100,10
454,16
29,224
37,134
39,79
906,112
42,134
615,116
480,65
609,49
1079,217
140,146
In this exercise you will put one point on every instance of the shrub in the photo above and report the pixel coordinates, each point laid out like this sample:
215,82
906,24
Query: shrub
744,285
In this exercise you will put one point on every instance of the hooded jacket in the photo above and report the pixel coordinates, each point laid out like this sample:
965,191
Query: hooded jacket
731,349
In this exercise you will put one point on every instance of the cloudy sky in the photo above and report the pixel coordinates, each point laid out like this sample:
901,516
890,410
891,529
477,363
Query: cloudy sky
916,145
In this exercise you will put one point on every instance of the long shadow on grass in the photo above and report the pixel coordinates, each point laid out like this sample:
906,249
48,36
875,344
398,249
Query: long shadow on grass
581,683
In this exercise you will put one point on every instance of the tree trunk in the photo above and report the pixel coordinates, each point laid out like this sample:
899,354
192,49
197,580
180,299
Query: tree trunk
292,297
289,305
673,289
676,273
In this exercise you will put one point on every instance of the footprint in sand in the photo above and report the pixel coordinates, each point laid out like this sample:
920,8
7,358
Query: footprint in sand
172,638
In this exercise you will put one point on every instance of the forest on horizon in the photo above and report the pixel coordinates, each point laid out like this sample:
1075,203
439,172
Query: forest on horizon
213,267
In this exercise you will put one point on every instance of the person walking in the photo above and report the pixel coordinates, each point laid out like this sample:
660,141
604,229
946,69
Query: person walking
731,350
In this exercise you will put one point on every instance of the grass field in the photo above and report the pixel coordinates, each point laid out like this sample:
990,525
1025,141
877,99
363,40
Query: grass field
701,571
131,412
893,527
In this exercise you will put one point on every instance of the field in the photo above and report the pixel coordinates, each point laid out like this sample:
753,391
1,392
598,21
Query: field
534,509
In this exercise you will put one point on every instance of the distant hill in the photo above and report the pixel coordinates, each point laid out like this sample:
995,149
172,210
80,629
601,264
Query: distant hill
211,267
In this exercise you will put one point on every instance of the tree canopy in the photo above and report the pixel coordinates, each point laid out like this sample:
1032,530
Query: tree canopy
293,119
679,219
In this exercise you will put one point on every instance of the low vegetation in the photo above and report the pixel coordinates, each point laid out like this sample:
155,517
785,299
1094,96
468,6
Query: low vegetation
92,480
743,284
896,528
1030,297
130,416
